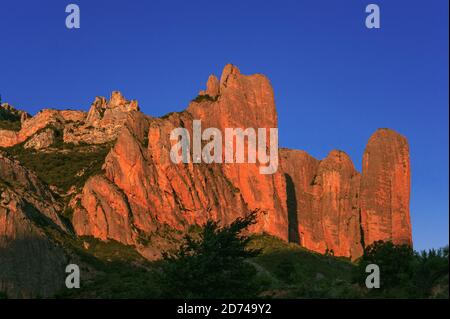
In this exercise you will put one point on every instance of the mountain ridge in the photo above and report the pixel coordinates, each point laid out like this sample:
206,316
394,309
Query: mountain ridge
323,205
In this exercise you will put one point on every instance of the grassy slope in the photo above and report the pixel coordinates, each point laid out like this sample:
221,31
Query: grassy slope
290,271
284,271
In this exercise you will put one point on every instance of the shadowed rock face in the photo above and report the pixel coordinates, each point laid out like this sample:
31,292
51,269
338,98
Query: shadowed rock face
385,188
31,265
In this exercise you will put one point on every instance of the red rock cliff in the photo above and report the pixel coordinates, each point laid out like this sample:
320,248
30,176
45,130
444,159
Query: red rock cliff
324,201
142,189
323,205
385,189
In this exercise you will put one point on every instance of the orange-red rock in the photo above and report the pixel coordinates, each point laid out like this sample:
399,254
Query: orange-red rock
324,205
385,188
315,203
324,197
160,192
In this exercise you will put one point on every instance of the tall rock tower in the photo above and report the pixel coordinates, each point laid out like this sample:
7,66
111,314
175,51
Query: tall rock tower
385,189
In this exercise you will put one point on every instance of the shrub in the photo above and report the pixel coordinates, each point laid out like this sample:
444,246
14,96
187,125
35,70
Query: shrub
404,272
205,97
395,263
10,125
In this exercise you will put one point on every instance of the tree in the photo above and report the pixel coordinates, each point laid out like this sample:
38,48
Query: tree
396,263
406,273
431,271
212,264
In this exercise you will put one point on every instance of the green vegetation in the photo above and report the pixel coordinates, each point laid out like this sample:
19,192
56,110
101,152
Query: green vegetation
10,125
221,262
114,271
110,269
9,119
63,165
205,97
290,271
406,273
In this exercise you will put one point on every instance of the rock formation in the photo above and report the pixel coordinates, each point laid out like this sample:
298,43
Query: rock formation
100,125
315,203
154,191
323,197
385,189
323,205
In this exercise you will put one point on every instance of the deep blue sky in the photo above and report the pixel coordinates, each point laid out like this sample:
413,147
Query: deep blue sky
335,81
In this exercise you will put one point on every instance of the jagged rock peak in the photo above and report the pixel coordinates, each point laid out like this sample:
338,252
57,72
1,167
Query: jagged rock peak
212,86
117,99
228,70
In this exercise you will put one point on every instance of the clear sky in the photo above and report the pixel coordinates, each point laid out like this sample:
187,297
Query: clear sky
335,81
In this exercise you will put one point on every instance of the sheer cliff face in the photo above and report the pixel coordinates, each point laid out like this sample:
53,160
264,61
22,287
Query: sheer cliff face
324,194
143,189
324,205
385,188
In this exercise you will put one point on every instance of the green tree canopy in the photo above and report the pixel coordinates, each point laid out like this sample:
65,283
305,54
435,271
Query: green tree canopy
212,264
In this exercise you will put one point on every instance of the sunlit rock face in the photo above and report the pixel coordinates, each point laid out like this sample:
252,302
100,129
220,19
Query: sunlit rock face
320,204
100,125
385,189
141,198
157,191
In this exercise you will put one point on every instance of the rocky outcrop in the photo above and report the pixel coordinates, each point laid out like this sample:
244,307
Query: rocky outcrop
323,202
100,125
212,87
385,189
103,121
42,139
338,209
43,119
